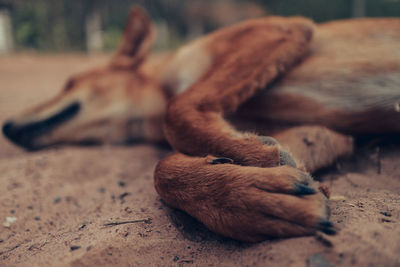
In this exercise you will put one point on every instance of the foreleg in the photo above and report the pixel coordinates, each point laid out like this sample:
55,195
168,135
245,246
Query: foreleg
195,123
314,147
243,202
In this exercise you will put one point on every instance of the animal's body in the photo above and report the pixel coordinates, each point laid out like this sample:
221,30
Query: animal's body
283,77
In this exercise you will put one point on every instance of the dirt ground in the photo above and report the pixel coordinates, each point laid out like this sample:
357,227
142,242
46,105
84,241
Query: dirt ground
61,199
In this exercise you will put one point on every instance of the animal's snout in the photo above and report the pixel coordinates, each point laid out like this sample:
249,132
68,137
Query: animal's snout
16,134
8,129
25,134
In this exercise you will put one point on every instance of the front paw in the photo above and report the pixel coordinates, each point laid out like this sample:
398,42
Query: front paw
274,202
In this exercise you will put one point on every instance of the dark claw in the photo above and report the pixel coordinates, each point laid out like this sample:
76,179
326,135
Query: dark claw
286,159
326,224
222,161
303,190
328,231
327,227
268,140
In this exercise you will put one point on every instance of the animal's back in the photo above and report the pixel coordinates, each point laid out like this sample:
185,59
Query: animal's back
350,81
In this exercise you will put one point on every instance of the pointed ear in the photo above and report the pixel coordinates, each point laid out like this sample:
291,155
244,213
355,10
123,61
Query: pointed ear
136,41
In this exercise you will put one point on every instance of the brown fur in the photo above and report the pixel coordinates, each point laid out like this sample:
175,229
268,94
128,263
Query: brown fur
239,184
245,203
349,82
196,115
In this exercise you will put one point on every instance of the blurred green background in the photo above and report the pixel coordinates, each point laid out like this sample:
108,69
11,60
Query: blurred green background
96,25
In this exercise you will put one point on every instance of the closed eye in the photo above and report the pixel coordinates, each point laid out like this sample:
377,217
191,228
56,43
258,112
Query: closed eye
69,85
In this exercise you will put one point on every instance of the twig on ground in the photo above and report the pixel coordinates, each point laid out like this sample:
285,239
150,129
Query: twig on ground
126,222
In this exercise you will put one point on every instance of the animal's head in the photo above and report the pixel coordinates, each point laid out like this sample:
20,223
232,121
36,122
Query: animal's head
113,104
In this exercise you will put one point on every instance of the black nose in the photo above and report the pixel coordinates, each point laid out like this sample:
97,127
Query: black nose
24,135
8,129
16,135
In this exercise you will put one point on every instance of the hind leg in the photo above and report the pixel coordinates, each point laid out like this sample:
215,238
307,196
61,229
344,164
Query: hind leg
243,202
314,147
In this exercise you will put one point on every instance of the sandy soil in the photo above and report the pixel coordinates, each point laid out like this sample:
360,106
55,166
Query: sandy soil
63,197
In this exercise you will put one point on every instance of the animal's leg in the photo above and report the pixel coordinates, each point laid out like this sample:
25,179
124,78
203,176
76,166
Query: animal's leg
240,200
194,122
314,147
243,202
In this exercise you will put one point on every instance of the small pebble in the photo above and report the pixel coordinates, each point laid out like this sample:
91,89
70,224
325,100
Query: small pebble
385,213
75,248
8,221
318,260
